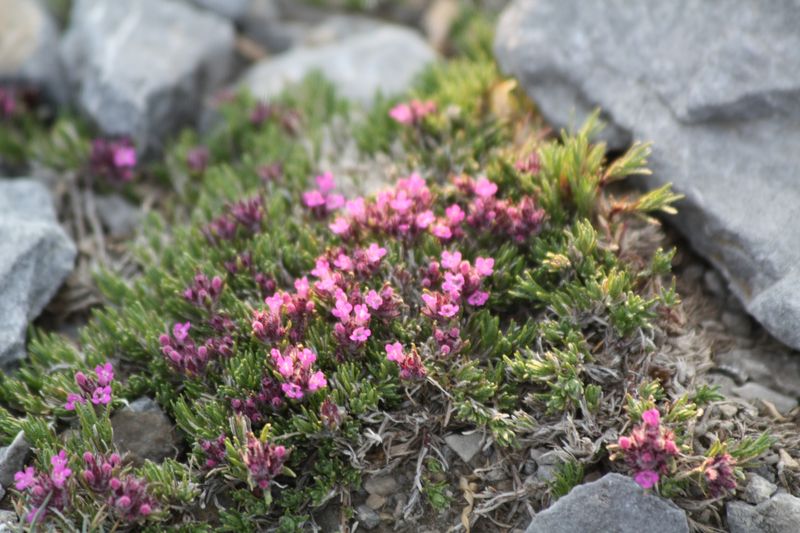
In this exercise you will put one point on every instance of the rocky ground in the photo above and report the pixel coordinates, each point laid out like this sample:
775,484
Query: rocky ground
115,66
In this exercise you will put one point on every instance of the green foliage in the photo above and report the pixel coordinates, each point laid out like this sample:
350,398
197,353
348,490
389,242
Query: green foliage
567,331
568,475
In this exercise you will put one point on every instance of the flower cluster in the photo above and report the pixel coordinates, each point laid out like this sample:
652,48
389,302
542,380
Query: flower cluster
485,212
411,366
187,357
129,499
294,365
99,470
46,490
244,262
296,307
330,414
531,164
321,200
113,159
95,389
403,212
204,292
264,461
214,449
412,112
719,474
649,449
268,398
245,215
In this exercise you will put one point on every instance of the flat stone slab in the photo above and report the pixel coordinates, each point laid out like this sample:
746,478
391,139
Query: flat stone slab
714,85
385,59
612,503
36,256
142,67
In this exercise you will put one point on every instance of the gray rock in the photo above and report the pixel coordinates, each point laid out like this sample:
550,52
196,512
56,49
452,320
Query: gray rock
386,59
144,431
9,522
714,85
758,490
35,258
755,391
775,368
466,446
143,405
29,47
381,485
141,67
12,459
612,503
338,27
367,517
118,215
779,514
232,9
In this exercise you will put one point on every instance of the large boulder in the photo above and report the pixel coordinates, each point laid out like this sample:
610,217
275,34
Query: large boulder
35,258
384,59
714,85
142,67
612,503
779,514
29,47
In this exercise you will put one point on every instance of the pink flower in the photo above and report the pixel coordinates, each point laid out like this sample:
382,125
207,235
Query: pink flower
125,156
356,208
478,298
484,188
646,478
72,399
313,198
442,231
484,266
339,226
651,417
101,395
334,202
425,219
373,299
292,390
450,260
455,215
105,374
181,331
394,352
25,479
317,381
448,310
343,262
360,314
624,443
375,253
360,334
325,182
402,113
306,358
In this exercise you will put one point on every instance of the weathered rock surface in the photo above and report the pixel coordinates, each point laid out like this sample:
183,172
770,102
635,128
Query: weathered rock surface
35,258
385,59
232,9
29,47
12,459
141,67
466,446
612,503
714,85
779,514
755,392
118,215
144,431
758,490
